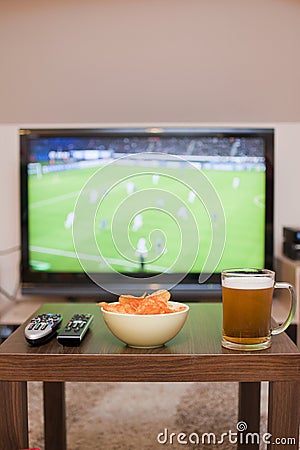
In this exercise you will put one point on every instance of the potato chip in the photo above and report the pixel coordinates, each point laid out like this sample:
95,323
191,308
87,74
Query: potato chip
155,303
162,295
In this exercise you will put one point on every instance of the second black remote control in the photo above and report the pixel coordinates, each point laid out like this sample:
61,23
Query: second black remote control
75,330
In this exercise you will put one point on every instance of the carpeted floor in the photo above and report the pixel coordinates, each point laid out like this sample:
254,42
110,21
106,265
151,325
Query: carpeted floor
137,416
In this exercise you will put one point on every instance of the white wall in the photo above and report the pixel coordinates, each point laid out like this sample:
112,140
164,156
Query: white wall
149,61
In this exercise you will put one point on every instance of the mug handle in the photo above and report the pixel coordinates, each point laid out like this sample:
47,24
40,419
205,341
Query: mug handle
286,323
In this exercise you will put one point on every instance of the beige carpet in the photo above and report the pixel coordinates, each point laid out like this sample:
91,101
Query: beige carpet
132,416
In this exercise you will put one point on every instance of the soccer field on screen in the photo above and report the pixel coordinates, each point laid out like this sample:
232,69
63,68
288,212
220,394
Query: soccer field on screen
143,221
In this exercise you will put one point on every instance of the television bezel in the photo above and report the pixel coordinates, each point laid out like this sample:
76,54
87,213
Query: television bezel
75,284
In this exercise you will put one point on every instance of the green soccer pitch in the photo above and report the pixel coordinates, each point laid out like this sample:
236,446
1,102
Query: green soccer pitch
143,222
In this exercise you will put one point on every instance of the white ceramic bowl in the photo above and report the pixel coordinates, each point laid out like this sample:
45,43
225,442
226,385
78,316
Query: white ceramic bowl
147,330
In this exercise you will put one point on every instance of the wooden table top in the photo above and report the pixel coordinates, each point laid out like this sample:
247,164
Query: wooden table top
195,354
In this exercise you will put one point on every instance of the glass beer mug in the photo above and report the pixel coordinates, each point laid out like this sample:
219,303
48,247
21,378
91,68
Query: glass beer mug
247,303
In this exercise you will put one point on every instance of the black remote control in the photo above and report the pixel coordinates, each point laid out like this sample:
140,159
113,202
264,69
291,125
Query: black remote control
42,328
75,330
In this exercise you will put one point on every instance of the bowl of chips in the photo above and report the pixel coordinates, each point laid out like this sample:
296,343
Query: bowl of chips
148,321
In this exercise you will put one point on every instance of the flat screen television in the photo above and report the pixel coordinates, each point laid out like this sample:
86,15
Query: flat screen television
117,210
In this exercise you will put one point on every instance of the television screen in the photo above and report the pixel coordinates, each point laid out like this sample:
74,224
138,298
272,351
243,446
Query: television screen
109,209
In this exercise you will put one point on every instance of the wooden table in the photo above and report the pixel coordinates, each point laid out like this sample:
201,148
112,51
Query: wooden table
195,354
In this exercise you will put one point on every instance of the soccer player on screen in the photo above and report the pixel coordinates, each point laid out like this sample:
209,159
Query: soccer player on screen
69,220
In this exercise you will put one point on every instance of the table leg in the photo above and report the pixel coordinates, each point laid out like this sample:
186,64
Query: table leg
284,415
54,416
13,415
249,413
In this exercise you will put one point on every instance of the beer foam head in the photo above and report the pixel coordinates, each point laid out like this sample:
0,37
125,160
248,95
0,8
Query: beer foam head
248,282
